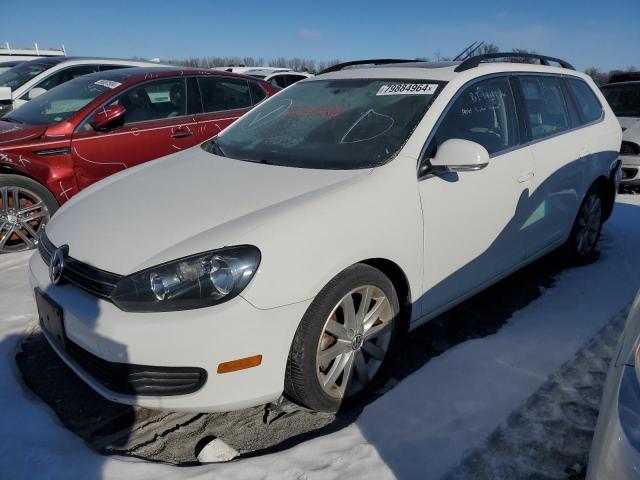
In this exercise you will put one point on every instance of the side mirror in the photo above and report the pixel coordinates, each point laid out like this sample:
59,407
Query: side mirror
5,93
107,118
457,155
35,92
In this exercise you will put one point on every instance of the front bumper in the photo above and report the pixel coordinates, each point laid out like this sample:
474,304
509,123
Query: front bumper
201,338
615,452
630,170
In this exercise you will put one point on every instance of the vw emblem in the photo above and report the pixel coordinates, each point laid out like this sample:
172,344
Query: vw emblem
57,264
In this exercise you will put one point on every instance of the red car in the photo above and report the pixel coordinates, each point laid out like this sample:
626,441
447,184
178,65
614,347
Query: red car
102,123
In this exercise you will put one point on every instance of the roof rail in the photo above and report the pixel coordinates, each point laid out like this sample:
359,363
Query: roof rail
476,60
378,61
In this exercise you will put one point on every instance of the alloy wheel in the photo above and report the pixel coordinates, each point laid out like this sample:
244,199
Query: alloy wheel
354,341
589,224
23,215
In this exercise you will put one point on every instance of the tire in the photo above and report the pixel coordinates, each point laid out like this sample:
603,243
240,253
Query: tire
25,208
587,226
367,341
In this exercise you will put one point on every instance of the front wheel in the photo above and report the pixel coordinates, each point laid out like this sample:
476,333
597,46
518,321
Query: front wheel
346,341
587,226
25,208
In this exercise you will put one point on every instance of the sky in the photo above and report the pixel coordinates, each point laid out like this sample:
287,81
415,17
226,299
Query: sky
584,32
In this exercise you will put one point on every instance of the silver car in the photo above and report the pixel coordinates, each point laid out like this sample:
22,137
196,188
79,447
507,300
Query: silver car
615,451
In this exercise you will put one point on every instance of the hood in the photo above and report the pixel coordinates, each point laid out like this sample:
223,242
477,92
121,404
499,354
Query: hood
11,132
182,204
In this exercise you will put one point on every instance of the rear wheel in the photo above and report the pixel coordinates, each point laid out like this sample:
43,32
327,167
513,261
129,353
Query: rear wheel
25,208
346,341
587,226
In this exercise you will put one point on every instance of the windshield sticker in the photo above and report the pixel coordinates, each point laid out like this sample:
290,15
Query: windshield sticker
108,83
408,89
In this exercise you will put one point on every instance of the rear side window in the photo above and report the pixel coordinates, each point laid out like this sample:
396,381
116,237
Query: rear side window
588,103
220,94
278,81
291,79
545,106
104,68
257,93
484,113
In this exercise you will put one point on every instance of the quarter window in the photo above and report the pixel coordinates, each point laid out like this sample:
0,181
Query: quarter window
219,94
484,113
154,101
587,102
545,106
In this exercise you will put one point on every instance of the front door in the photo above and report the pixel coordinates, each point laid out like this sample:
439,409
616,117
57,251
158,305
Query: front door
473,220
156,124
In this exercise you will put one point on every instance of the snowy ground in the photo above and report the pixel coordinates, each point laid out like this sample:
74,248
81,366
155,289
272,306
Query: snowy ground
423,428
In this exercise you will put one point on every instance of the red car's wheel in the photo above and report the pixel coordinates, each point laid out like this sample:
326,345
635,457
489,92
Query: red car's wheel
25,208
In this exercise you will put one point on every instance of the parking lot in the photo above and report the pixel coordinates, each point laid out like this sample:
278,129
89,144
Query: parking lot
465,399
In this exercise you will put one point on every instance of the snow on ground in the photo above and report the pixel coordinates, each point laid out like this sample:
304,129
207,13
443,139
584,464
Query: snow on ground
420,429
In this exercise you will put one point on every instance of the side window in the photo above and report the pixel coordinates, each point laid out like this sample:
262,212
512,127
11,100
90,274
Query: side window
291,79
154,101
219,94
257,93
484,113
104,68
545,105
587,101
278,81
65,75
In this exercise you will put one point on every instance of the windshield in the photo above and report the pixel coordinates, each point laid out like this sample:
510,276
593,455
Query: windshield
624,99
329,124
18,76
62,102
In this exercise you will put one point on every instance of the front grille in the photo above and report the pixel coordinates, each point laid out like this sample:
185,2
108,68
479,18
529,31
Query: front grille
92,280
131,379
629,148
629,173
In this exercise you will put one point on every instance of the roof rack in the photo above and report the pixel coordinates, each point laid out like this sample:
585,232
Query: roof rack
476,60
378,61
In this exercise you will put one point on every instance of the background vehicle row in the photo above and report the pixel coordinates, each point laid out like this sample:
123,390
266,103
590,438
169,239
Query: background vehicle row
102,123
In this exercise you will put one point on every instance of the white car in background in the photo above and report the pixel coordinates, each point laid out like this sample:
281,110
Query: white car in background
30,79
279,79
292,252
624,99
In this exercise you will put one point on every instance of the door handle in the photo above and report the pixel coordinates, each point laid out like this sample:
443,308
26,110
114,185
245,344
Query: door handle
181,133
525,177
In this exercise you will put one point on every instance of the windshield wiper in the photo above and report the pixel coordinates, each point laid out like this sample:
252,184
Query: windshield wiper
13,120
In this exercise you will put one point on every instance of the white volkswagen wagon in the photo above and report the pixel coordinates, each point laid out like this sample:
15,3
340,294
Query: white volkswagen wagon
291,253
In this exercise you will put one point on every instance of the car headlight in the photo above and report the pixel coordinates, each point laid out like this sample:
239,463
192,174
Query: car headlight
192,282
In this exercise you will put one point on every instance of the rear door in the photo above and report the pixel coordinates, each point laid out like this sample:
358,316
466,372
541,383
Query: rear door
157,123
223,100
558,152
